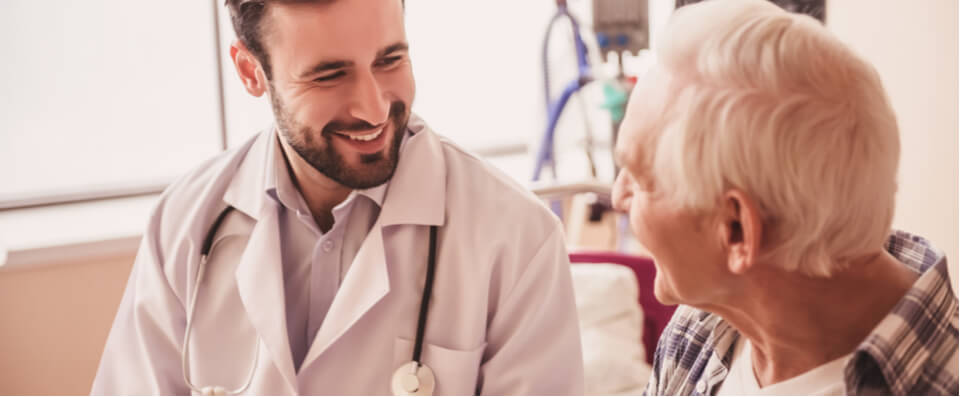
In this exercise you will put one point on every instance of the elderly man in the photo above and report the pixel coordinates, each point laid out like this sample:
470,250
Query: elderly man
759,161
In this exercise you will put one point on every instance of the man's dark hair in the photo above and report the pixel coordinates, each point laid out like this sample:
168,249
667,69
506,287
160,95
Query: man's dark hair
247,19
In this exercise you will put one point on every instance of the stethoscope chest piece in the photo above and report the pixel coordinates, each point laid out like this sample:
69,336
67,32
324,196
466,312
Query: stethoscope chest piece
213,391
413,379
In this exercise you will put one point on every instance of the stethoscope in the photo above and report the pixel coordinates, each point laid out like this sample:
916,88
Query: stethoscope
413,378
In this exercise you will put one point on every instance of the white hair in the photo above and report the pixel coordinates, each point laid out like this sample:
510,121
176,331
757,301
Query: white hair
773,104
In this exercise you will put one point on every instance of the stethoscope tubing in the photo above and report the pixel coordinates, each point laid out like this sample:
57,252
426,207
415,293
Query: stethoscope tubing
427,292
207,248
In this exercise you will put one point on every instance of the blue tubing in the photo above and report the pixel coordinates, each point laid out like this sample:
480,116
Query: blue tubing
555,109
553,117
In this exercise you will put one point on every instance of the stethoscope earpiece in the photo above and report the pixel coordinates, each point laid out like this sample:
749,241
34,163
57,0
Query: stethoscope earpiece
413,379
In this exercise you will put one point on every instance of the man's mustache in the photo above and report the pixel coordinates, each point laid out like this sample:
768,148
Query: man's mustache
353,126
357,125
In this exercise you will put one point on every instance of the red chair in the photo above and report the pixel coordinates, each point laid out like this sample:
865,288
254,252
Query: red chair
655,314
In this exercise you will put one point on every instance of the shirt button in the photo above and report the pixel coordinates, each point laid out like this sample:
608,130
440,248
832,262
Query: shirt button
702,387
327,246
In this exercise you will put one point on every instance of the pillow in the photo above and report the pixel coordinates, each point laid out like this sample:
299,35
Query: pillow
611,329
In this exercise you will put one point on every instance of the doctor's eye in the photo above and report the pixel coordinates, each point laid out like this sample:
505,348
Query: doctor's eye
329,77
389,61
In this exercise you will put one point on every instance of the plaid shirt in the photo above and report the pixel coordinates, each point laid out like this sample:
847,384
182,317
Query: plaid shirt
913,350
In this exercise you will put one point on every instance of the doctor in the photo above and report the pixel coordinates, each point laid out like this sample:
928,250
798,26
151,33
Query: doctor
315,277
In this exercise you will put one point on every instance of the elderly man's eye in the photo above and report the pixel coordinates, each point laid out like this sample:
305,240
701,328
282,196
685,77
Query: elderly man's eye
642,183
645,185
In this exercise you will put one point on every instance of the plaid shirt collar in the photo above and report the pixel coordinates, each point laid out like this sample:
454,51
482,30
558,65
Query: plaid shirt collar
909,352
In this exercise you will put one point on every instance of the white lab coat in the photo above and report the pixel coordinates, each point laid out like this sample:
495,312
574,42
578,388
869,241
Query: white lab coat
502,318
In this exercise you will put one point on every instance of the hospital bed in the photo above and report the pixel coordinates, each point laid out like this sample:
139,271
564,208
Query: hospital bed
655,315
620,320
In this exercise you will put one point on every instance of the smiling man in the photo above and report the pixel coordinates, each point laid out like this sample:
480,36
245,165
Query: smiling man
348,249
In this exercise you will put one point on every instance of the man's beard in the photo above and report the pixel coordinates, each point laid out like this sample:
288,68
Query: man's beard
318,150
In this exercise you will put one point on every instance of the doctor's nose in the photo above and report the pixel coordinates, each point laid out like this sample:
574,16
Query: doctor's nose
369,103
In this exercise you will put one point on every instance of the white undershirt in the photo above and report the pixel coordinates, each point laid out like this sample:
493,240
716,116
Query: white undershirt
825,380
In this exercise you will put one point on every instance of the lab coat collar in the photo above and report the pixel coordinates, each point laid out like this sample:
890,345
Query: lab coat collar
246,189
415,195
418,189
259,277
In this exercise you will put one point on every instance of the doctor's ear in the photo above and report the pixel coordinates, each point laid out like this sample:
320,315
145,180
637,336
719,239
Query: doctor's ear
248,68
741,231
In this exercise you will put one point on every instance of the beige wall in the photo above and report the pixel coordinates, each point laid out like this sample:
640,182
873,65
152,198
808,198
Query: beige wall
913,45
54,322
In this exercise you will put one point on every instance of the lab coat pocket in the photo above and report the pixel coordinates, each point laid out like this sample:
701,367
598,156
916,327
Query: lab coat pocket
456,371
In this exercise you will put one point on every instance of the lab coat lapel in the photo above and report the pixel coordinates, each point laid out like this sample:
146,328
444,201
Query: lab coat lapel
260,284
418,190
245,191
365,284
259,274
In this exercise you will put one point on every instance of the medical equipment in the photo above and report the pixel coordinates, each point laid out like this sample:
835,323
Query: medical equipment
545,155
621,25
413,378
813,8
204,254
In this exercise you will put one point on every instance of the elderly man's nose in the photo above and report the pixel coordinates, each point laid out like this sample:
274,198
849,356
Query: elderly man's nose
621,193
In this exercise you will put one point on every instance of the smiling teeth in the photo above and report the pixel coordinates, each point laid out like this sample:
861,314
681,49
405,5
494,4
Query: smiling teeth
367,137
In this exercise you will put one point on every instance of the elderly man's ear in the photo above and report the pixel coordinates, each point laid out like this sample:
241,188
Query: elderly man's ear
741,231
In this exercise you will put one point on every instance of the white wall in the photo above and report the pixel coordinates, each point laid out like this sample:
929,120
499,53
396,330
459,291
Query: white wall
913,45
105,92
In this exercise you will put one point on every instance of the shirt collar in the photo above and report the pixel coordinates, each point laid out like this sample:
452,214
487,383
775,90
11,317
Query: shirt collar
919,334
916,338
